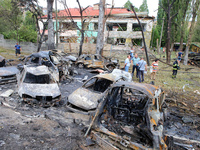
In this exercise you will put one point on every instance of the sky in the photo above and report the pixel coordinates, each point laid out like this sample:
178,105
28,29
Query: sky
152,4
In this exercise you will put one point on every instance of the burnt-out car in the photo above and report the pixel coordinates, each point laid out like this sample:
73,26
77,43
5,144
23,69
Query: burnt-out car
59,65
36,85
2,61
85,99
97,62
131,115
8,74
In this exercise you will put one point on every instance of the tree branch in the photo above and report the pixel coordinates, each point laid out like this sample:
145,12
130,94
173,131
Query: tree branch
171,3
163,8
173,16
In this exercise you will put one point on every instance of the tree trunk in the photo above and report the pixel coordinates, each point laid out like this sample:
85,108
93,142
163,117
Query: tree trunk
81,43
100,36
183,25
194,14
51,41
168,36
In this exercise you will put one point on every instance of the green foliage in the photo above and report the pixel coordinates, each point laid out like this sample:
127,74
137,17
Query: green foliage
128,5
13,25
26,33
196,33
144,7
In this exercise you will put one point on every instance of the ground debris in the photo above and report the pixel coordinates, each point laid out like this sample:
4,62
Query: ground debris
7,93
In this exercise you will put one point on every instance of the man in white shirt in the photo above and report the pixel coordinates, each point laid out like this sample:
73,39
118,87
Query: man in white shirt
142,65
127,63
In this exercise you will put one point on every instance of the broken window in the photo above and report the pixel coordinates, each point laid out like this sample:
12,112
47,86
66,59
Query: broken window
95,26
116,26
136,27
40,79
121,41
87,58
68,26
97,57
98,84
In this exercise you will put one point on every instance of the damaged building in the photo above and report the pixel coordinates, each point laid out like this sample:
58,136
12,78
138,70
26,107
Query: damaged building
121,27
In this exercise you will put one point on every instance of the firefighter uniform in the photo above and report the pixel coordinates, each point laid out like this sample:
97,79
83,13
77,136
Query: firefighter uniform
175,69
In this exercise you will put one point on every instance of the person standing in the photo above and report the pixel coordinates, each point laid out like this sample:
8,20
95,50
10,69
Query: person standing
127,63
175,68
134,61
155,69
180,54
131,53
142,65
17,49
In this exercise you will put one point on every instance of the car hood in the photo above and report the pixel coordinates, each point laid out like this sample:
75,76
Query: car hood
84,98
34,90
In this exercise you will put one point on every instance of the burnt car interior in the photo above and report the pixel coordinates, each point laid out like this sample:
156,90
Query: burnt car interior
125,114
37,79
98,84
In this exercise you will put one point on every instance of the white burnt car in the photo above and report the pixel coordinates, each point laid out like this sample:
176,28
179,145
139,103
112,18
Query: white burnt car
85,99
36,85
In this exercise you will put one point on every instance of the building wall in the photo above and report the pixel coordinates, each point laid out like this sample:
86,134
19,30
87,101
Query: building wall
26,46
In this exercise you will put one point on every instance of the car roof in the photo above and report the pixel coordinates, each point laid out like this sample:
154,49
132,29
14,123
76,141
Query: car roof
147,89
107,76
37,70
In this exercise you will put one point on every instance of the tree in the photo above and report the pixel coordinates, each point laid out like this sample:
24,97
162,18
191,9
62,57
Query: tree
183,12
167,8
81,28
11,12
51,42
195,9
100,36
196,33
144,7
36,13
128,5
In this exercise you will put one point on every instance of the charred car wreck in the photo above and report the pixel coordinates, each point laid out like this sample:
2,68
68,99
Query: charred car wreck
36,85
58,65
97,62
85,99
130,115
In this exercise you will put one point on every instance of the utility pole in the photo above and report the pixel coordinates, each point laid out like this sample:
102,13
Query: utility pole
56,24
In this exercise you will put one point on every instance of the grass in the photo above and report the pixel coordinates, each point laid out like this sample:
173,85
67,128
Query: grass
10,54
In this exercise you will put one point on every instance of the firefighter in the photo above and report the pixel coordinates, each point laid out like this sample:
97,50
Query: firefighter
175,68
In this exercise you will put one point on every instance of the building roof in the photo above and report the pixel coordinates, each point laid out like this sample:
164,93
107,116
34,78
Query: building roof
92,12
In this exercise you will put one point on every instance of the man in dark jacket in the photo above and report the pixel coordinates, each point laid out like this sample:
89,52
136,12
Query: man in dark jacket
175,68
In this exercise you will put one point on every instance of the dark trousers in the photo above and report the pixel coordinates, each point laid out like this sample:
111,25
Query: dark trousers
135,68
141,75
174,73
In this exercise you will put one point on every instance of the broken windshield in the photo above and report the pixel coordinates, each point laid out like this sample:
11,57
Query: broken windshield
37,79
98,84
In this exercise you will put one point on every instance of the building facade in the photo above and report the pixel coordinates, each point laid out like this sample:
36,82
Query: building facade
121,26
